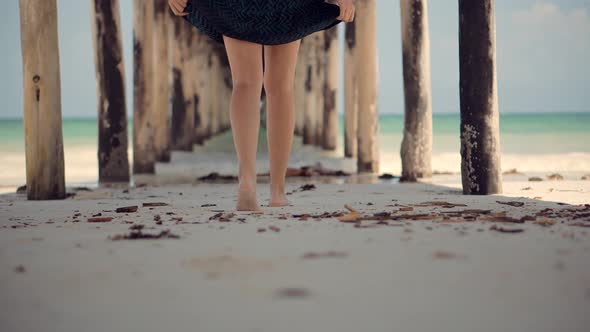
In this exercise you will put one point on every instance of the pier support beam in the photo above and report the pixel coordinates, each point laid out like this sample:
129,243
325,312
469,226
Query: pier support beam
366,71
144,117
300,78
199,60
183,114
42,100
416,148
319,76
162,78
309,124
330,89
350,91
113,160
480,137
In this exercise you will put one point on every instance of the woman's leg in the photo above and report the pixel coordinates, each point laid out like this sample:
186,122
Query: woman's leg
246,69
279,76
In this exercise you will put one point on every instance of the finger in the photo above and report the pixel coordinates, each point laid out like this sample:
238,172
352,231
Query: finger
177,8
342,16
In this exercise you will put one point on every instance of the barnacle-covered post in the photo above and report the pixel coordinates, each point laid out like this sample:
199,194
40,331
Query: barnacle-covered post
416,148
480,137
42,100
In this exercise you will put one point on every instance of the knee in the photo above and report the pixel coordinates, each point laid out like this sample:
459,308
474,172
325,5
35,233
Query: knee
252,83
278,87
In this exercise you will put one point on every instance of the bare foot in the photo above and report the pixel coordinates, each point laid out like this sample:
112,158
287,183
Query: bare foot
278,200
247,201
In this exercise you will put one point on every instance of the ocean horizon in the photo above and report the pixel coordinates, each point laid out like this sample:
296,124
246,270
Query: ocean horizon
530,142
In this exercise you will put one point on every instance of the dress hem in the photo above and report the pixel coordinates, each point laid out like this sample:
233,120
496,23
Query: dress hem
217,35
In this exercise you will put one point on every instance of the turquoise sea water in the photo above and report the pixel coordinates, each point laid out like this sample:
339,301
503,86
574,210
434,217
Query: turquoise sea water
535,133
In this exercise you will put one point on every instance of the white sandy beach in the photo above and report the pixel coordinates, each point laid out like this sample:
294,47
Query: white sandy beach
279,271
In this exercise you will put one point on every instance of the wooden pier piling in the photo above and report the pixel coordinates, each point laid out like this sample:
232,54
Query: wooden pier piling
319,76
162,78
309,51
113,159
42,100
350,91
416,148
366,71
183,113
480,137
144,117
330,89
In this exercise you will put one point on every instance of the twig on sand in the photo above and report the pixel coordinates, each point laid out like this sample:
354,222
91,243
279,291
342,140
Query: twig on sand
328,254
439,203
127,209
506,230
100,219
155,204
137,234
511,203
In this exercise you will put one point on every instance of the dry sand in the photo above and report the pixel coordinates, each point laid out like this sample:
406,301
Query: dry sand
278,271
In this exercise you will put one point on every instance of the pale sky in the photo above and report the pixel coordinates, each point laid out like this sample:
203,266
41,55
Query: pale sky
543,49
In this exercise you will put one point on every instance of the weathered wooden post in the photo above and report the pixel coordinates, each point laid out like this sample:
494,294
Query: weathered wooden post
113,160
183,114
350,91
223,86
198,73
226,88
162,76
300,76
480,137
42,100
330,88
214,93
366,71
416,148
310,102
320,79
144,156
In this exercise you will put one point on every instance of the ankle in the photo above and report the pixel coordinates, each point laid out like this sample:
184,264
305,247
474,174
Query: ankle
247,187
277,189
247,184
